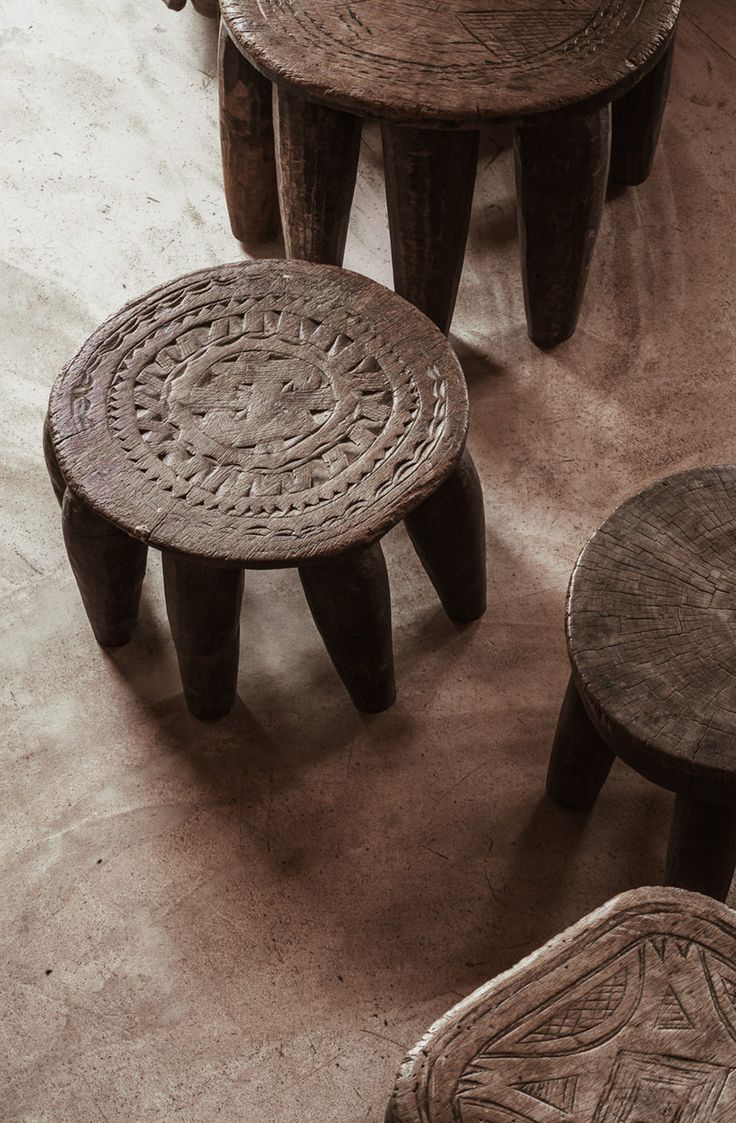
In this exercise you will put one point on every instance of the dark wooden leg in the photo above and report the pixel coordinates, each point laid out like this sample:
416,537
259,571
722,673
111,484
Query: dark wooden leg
209,8
350,601
317,153
449,535
246,136
109,567
203,604
58,482
561,174
429,191
636,124
702,849
580,760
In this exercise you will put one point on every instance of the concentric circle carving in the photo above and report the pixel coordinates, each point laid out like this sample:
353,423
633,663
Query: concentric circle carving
451,59
278,407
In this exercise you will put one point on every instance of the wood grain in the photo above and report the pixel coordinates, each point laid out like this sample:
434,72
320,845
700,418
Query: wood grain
416,62
262,413
350,602
429,192
108,567
628,1017
561,176
317,161
637,122
246,137
449,534
203,606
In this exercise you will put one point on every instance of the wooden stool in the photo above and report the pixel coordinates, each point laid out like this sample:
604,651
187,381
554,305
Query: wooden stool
628,1017
434,74
651,630
260,415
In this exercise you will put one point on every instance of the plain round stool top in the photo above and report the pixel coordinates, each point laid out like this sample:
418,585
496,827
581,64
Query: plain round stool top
261,414
628,1017
651,625
452,63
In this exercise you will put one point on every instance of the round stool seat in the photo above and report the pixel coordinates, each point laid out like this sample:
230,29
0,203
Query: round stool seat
651,624
260,414
451,64
257,415
651,630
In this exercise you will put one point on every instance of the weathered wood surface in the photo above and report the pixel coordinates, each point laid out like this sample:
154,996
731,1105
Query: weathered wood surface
203,605
702,847
246,138
651,625
637,121
449,534
580,760
430,177
317,151
628,1017
108,566
350,601
262,413
418,62
561,177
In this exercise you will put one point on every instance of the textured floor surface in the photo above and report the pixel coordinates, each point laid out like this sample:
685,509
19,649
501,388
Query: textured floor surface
252,921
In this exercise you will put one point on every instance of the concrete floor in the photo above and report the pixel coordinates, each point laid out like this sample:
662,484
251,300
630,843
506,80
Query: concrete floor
253,921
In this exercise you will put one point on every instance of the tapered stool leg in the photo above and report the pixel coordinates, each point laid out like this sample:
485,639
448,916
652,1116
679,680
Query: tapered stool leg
58,482
109,567
636,124
702,849
429,191
246,136
350,601
203,605
580,760
317,152
561,174
449,534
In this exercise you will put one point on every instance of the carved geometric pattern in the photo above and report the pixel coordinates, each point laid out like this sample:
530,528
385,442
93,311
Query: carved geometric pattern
585,1012
629,1017
481,58
672,1014
558,1091
266,405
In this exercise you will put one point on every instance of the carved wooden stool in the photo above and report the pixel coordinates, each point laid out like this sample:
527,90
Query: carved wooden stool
434,74
260,415
628,1017
651,630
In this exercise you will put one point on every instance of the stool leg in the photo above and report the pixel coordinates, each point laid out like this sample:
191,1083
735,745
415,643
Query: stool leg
350,601
109,567
449,535
246,137
203,604
702,849
317,153
561,173
429,191
580,760
209,8
58,482
636,124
